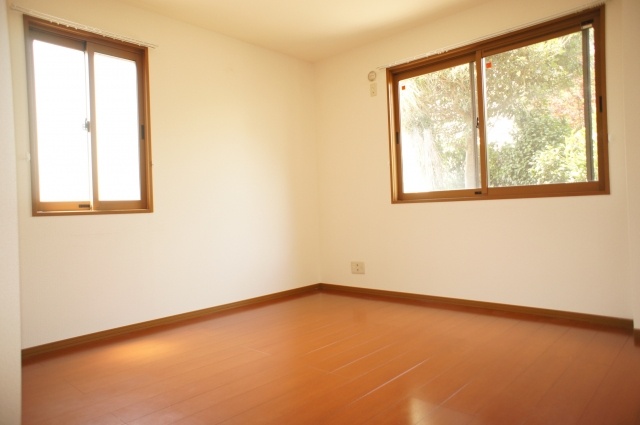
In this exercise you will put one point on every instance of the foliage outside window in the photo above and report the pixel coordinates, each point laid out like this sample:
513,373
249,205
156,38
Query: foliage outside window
520,115
90,147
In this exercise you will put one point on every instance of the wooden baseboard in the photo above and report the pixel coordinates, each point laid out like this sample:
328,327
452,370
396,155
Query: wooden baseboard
486,306
124,330
615,322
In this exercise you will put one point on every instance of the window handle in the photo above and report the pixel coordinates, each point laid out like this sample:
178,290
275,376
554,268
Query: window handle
87,126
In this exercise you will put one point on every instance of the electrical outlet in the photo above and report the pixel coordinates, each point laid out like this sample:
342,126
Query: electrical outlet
357,267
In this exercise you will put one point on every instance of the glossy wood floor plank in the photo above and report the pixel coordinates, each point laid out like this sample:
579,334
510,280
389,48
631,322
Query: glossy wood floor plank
327,358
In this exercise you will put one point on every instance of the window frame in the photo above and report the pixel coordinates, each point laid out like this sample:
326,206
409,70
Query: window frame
38,29
480,50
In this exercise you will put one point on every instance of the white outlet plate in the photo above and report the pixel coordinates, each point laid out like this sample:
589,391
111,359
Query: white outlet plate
357,267
373,89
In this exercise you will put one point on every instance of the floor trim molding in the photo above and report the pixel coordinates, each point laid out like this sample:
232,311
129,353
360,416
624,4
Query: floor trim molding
489,307
124,330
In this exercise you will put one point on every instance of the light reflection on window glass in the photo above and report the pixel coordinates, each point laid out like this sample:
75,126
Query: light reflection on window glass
439,141
535,103
63,143
117,128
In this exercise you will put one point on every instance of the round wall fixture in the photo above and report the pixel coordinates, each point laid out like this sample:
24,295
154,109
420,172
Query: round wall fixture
371,76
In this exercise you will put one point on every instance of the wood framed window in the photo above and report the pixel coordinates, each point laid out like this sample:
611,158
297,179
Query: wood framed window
89,122
517,116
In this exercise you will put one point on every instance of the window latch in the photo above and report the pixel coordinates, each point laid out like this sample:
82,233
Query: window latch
87,126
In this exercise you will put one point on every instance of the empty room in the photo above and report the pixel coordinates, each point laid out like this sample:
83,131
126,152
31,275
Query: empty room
319,212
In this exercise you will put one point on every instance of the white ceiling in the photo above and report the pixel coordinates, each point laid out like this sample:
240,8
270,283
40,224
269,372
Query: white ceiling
311,30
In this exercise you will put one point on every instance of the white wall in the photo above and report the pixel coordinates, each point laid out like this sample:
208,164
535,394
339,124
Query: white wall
9,267
238,132
235,186
567,253
630,18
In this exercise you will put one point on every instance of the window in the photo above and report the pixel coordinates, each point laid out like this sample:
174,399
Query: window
520,115
90,147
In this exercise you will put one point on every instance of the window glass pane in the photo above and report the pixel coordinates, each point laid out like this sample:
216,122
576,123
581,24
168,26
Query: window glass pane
64,160
117,126
535,113
438,130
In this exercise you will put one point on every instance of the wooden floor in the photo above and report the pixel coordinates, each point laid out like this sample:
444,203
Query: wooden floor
327,358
